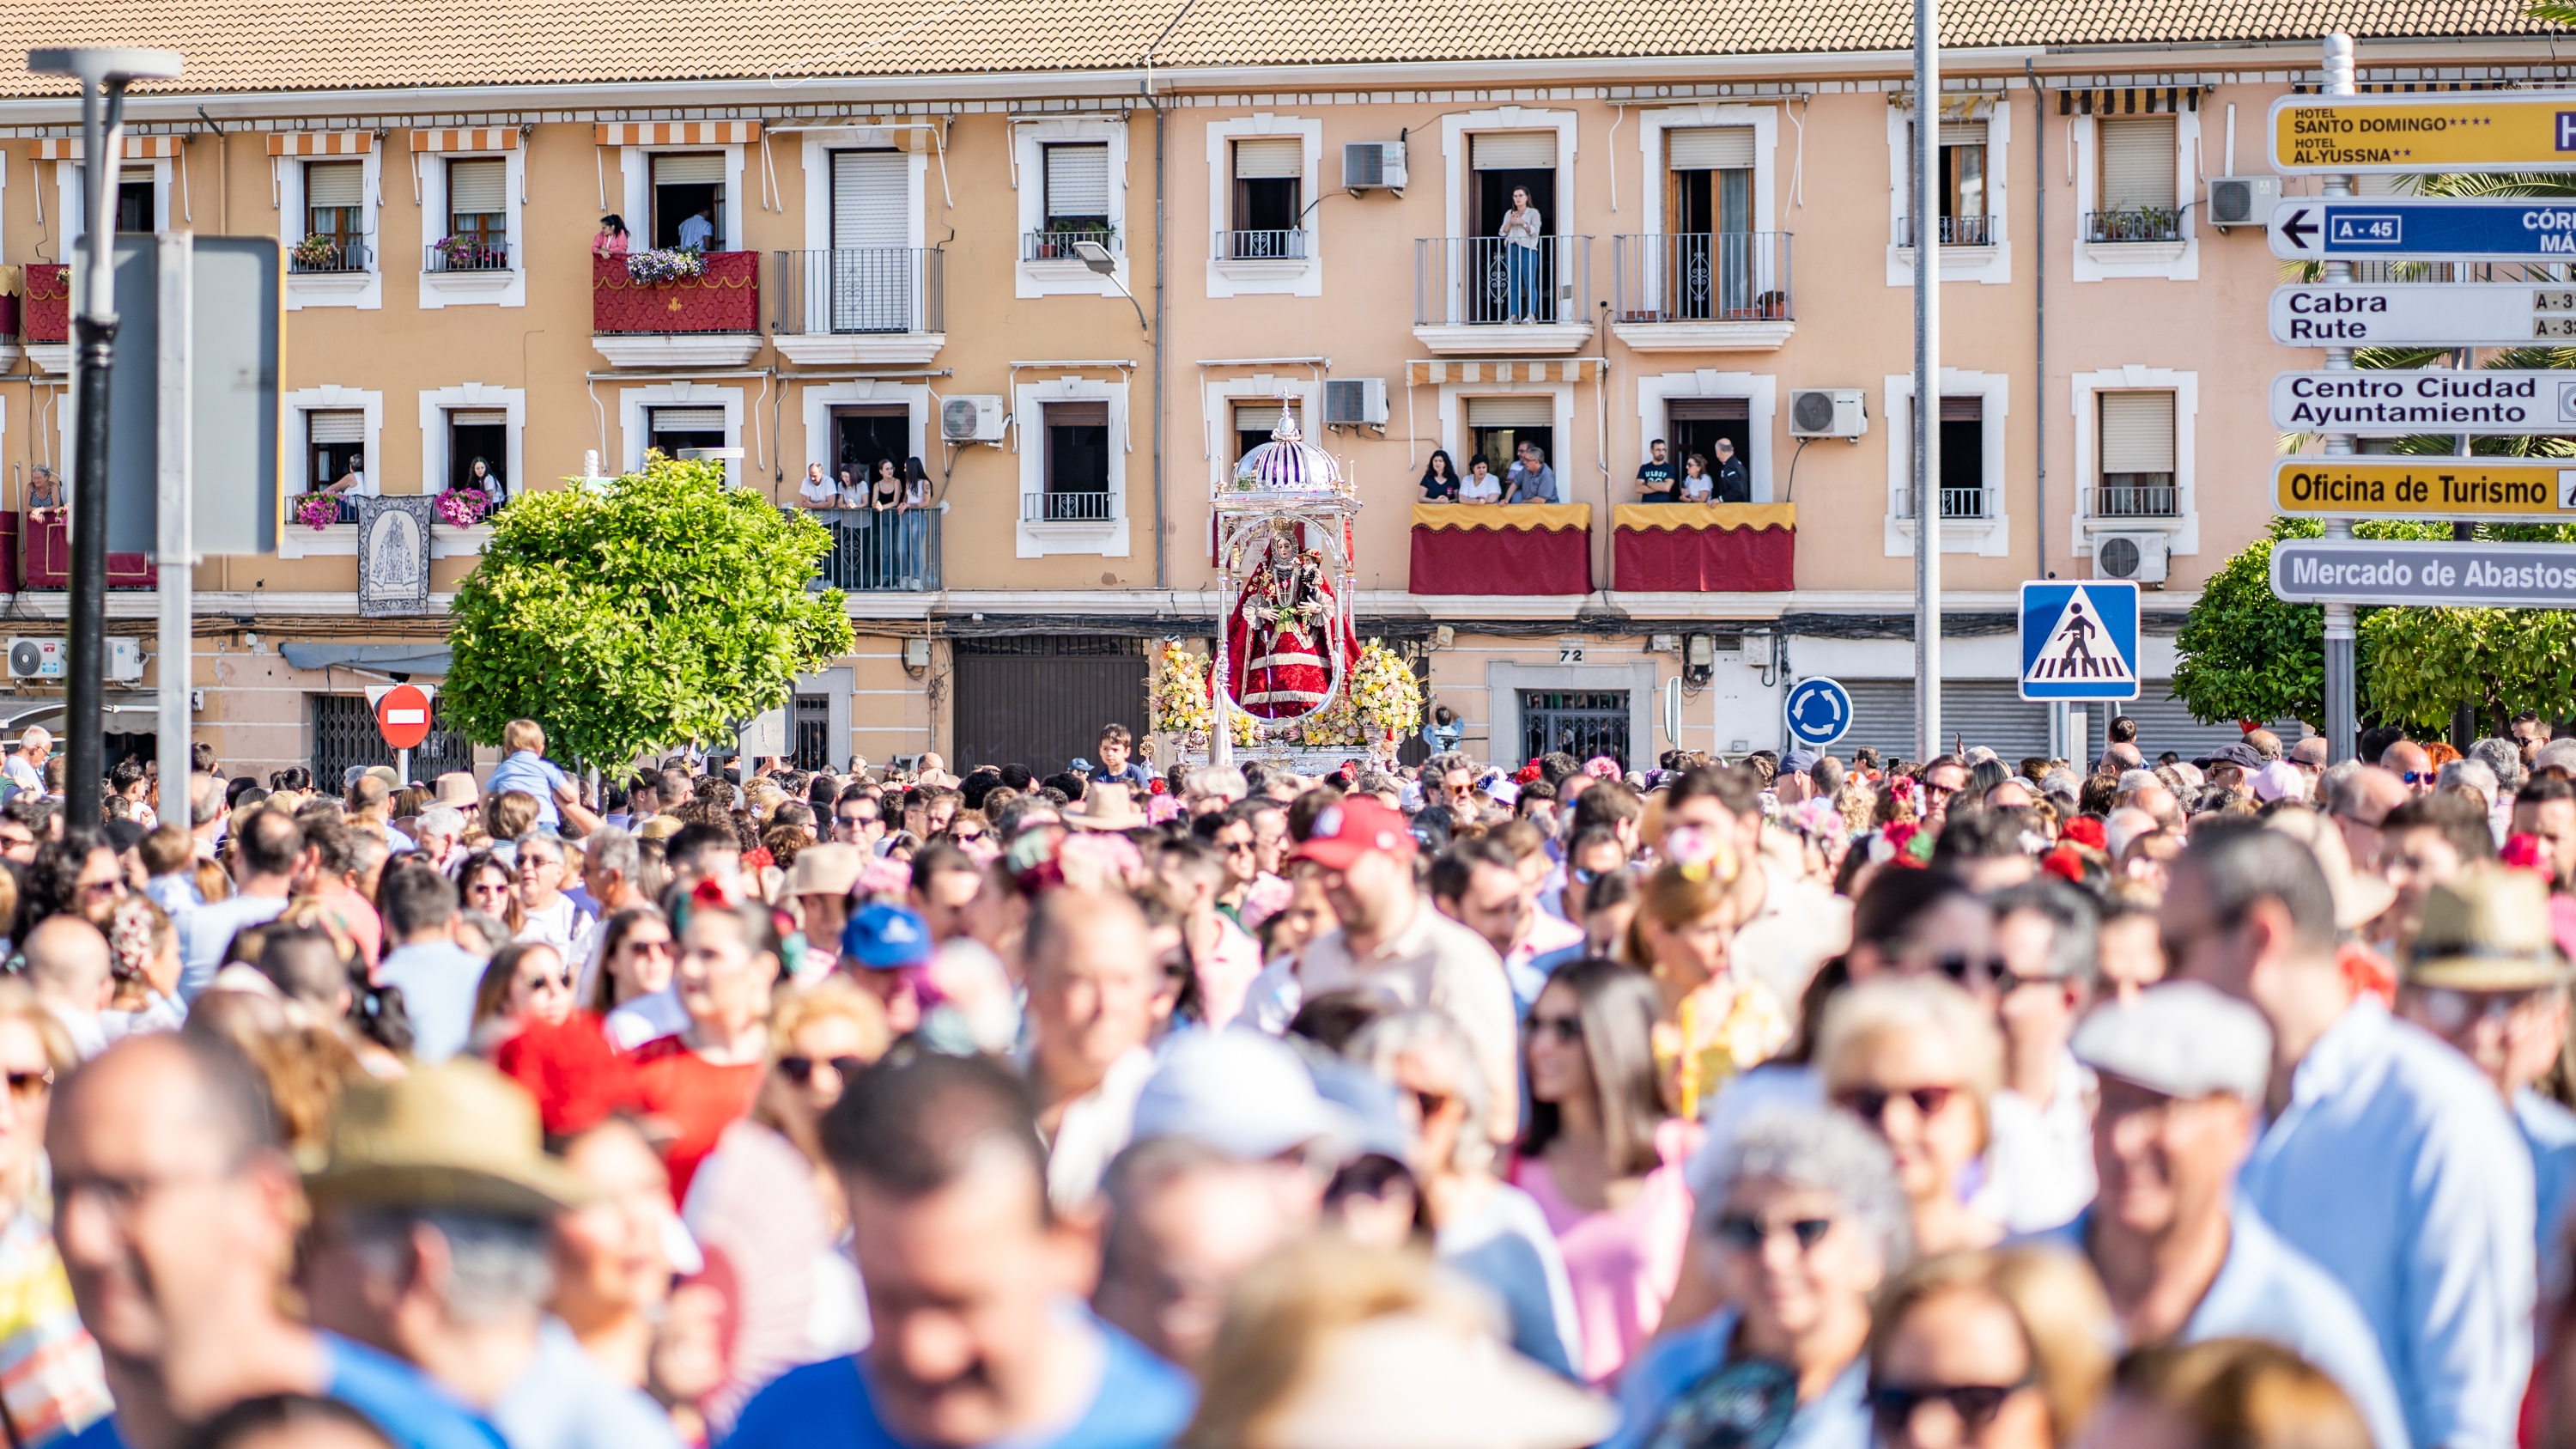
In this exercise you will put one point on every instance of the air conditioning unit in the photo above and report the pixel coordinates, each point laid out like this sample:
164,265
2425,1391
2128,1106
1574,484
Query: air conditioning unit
1373,165
1828,412
125,661
1355,402
975,419
38,659
2242,200
2137,557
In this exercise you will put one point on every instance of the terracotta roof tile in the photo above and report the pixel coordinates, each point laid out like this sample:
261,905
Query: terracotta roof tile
304,45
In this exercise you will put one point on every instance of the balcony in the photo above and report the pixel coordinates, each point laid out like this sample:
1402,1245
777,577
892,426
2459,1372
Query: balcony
1958,505
318,256
709,320
881,552
1956,231
1062,245
49,557
1261,246
1068,507
1477,294
862,306
464,256
2136,500
1704,292
45,321
2135,234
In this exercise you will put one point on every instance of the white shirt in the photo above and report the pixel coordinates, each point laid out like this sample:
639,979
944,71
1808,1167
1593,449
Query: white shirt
556,925
646,1018
2039,1156
818,490
1434,962
1697,489
695,231
1093,1129
1471,491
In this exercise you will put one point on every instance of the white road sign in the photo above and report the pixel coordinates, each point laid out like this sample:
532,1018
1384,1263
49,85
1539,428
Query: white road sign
2474,575
2422,314
2394,404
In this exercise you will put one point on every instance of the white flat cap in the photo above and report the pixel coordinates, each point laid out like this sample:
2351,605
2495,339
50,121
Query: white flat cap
2183,1039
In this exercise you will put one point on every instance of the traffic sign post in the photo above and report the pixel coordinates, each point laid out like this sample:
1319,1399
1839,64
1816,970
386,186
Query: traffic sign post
2079,640
402,717
2479,574
2422,229
2422,314
1818,712
2397,404
2462,489
2453,131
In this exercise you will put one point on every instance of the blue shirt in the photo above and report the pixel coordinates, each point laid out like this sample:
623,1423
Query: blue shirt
1141,1403
207,931
563,1399
1135,776
1657,1377
437,980
412,1409
2396,1169
528,771
2550,1131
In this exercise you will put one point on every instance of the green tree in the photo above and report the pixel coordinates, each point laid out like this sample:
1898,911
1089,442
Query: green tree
662,610
2244,654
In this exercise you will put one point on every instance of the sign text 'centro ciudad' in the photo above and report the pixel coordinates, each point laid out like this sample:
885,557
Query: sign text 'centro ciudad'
2394,404
2314,486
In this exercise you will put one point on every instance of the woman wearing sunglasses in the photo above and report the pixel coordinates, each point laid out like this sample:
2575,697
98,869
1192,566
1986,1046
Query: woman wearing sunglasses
634,987
527,984
1800,1220
1601,1157
1714,1020
2005,1350
486,883
1918,1061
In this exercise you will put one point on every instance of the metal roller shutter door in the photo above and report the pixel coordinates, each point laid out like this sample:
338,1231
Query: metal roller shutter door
868,199
2164,724
477,188
1270,158
1712,148
1077,180
1512,151
2137,165
1989,712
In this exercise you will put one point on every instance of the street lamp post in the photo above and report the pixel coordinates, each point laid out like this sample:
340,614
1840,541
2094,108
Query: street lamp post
103,72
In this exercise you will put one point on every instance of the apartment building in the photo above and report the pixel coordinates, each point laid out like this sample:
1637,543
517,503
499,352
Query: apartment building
1077,258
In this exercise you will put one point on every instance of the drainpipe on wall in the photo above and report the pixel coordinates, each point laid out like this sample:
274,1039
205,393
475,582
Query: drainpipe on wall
1162,577
2039,310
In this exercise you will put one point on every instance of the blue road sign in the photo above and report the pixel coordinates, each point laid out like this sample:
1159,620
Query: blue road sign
2309,229
1819,712
2079,639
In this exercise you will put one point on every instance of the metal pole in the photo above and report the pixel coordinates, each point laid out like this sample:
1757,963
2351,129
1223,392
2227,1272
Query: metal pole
94,340
175,554
2342,703
1927,380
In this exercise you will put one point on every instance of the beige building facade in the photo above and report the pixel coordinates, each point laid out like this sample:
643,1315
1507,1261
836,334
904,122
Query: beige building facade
900,235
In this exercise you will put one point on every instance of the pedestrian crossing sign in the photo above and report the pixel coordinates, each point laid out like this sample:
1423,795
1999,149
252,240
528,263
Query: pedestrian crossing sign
2079,640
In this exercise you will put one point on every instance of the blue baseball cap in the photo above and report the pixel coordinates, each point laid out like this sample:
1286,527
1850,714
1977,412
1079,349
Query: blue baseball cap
884,938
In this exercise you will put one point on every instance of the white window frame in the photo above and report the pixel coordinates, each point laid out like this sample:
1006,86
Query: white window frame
1761,394
1217,397
817,157
1458,437
1991,265
363,290
473,289
74,204
821,398
2106,261
635,168
1765,121
1028,435
436,403
1067,277
340,540
635,423
1287,277
2184,527
1985,537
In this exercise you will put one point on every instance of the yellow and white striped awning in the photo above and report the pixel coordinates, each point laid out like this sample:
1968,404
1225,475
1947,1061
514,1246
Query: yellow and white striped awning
137,148
1571,369
321,143
486,138
677,133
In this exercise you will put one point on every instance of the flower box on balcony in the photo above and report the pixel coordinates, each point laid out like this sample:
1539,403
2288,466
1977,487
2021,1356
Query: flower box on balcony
1704,547
724,298
49,302
49,557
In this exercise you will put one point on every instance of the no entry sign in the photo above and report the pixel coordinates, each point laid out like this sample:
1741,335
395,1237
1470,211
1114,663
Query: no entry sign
402,714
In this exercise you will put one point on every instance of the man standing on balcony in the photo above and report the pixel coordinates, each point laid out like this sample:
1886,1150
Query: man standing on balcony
1655,476
697,231
1532,480
1733,483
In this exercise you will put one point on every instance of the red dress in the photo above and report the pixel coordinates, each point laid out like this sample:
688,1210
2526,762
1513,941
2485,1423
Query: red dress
695,1095
1275,641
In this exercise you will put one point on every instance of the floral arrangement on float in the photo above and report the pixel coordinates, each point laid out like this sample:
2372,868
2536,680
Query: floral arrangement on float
1378,707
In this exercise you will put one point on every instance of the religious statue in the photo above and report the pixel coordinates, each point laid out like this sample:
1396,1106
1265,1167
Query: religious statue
1282,626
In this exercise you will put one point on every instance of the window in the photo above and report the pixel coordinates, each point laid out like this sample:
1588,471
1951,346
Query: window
2137,198
673,429
1077,452
1253,422
134,198
1497,426
336,446
1269,197
1710,267
1077,187
1696,423
689,201
2137,436
478,216
1962,182
1963,457
335,215
477,435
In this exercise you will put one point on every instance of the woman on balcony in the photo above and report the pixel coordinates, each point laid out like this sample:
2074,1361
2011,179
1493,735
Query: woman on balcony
885,512
914,512
1480,485
1520,232
1440,478
612,240
480,477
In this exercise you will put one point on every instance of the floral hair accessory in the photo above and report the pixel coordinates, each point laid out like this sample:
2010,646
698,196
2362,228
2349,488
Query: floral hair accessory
1818,817
879,876
1905,843
1699,854
1097,860
1161,808
2064,864
2085,830
1903,787
2523,853
1601,767
1158,786
710,891
129,936
758,858
1528,774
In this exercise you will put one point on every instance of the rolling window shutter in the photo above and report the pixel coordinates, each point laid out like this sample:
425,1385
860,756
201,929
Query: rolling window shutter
706,168
1971,409
1712,148
1256,417
1512,151
1077,180
2137,432
335,183
1077,414
477,188
2137,165
1963,133
336,427
465,418
1269,158
1531,410
688,420
868,199
1708,409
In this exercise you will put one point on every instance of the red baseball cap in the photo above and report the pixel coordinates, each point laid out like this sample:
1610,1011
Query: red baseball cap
1359,824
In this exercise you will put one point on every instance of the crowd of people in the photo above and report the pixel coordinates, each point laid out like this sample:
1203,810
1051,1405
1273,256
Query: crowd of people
1792,1102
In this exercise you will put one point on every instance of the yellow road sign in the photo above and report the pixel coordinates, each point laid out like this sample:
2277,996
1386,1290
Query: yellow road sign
2428,488
2467,131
